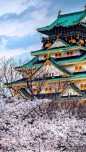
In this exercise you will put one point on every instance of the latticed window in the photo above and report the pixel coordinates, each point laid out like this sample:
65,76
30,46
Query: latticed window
60,55
80,68
84,86
71,53
76,69
68,54
59,89
46,90
81,86
52,74
56,55
27,75
33,91
50,90
45,57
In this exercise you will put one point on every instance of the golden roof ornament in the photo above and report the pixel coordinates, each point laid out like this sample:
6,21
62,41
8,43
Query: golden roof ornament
59,13
85,7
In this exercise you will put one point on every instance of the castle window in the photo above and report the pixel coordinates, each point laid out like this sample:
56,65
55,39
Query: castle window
84,86
45,57
50,90
33,91
81,86
27,75
58,55
76,69
44,75
80,68
67,53
71,53
46,90
52,74
59,89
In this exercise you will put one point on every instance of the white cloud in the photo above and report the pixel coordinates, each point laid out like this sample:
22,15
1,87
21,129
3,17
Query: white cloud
3,44
15,27
20,29
16,52
15,6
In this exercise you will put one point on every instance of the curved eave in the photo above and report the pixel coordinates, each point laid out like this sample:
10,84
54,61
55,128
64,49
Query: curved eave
73,77
66,22
62,26
25,93
76,89
18,82
28,65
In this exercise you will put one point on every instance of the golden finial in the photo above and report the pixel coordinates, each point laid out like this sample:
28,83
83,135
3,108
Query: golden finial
85,7
59,13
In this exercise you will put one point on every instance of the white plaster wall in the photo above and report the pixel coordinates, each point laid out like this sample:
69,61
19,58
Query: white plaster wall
78,83
41,57
75,53
47,70
52,55
54,88
64,54
71,68
84,20
69,92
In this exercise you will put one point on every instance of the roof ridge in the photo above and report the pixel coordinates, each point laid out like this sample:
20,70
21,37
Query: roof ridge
60,67
73,86
72,13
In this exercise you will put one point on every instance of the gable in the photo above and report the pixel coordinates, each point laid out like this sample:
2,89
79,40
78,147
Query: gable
84,20
69,91
48,70
57,43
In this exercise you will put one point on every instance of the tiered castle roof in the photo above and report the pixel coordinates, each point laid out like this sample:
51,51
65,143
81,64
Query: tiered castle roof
70,39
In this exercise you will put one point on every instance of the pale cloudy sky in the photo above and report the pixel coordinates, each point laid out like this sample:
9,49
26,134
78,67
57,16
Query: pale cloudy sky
19,20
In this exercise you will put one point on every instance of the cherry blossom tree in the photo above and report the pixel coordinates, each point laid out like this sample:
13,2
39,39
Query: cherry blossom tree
33,127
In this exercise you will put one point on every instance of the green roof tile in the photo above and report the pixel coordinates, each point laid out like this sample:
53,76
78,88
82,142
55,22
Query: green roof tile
25,93
29,64
21,81
66,20
76,89
60,67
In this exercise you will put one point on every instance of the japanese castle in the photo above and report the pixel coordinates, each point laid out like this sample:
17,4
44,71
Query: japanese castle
58,69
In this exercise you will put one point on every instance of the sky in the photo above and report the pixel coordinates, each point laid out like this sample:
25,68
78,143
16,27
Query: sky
19,20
